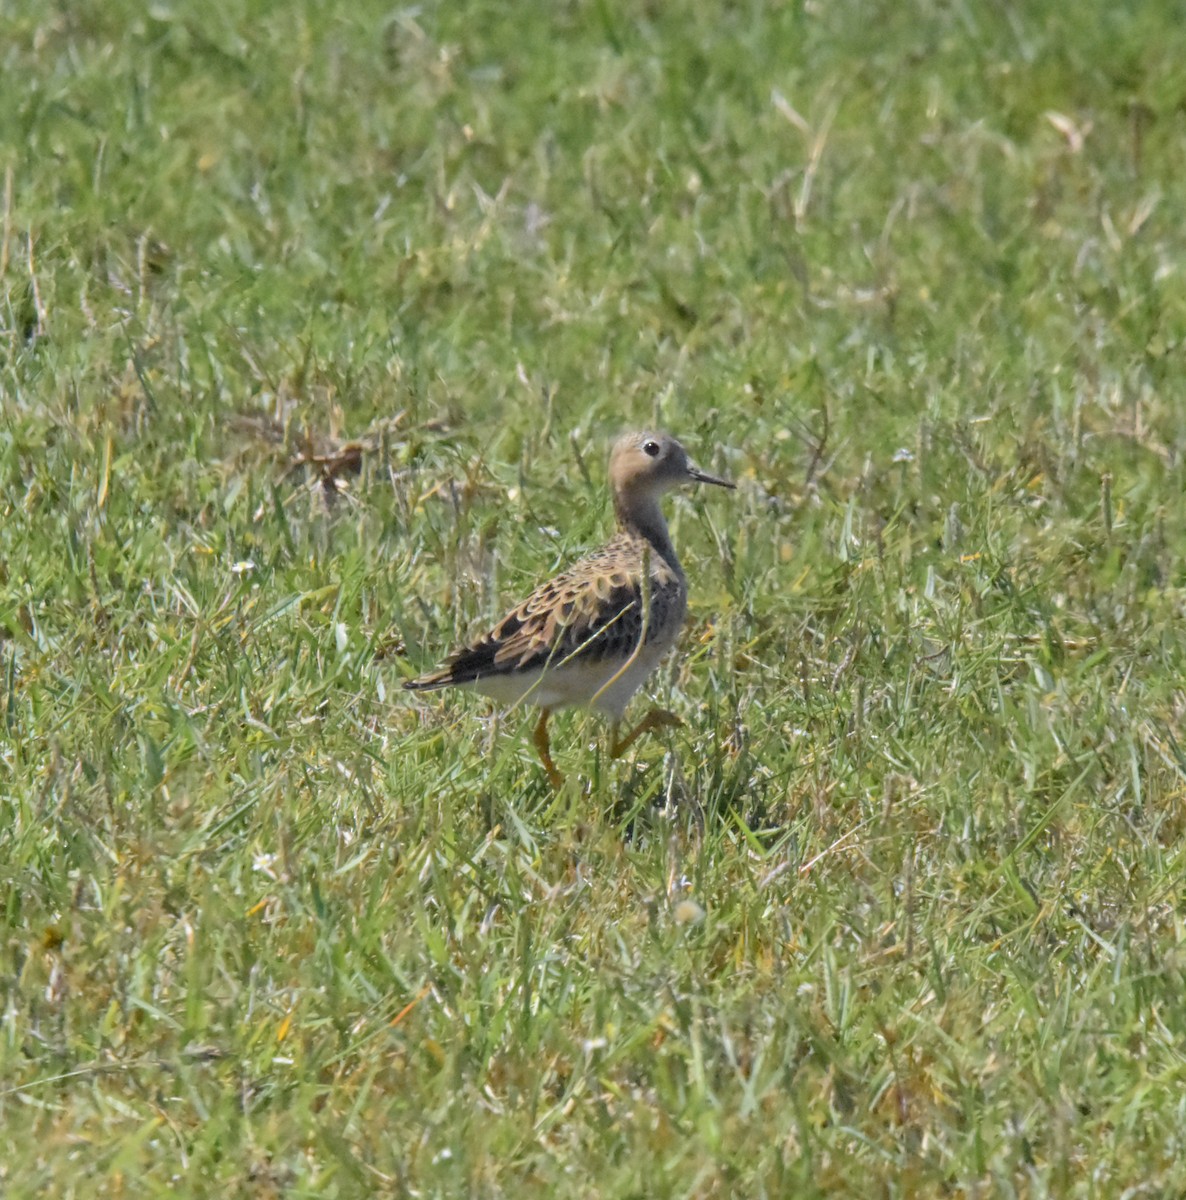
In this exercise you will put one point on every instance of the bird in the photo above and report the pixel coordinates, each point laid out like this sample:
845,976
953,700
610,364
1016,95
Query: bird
591,635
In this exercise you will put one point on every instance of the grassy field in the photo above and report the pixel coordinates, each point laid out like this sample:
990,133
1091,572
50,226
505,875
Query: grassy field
316,322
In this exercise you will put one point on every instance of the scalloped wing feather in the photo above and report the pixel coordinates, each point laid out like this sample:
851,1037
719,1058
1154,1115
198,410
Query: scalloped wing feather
590,613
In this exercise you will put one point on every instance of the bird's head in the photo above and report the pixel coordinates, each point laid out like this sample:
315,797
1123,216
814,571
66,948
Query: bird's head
642,466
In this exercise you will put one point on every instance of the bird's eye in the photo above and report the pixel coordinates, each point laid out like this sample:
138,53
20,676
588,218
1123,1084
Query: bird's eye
651,448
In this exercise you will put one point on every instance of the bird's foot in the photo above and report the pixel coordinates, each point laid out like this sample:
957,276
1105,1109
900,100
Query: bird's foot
544,750
656,719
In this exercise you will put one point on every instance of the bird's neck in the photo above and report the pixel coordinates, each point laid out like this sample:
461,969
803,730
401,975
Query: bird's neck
642,516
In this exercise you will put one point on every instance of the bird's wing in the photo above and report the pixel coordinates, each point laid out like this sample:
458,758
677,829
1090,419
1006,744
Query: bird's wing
592,611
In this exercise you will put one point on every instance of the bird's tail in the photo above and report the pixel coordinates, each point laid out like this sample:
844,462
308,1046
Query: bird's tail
431,683
465,666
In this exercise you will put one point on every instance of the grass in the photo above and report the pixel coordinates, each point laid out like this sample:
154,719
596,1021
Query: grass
315,324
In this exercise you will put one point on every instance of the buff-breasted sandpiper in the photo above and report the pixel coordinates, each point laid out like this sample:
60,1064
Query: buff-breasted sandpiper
591,635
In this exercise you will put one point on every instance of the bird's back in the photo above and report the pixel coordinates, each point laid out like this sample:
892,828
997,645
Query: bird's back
576,630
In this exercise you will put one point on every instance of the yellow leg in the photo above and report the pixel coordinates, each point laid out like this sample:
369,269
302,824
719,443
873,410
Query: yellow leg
657,718
544,750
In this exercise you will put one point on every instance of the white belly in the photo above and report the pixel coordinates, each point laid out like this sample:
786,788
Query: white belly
606,687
